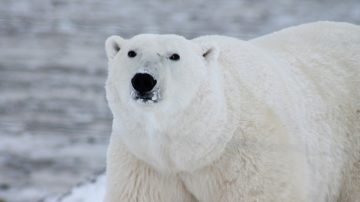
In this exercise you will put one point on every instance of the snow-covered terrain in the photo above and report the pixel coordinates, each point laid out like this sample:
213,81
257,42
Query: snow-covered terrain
92,191
54,120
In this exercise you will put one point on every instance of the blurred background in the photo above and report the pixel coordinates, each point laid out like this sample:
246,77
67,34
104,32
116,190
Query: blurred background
54,120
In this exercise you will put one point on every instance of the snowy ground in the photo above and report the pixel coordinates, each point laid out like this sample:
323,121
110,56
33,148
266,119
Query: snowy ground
54,121
90,191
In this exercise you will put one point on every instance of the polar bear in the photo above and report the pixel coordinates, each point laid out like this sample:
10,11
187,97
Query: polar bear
276,118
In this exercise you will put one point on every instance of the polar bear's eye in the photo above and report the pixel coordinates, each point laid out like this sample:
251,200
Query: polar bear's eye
174,57
131,54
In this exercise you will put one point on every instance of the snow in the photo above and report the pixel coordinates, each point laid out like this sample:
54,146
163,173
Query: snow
89,192
54,120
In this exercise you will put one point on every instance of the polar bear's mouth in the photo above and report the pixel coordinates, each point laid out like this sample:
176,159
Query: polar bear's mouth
149,98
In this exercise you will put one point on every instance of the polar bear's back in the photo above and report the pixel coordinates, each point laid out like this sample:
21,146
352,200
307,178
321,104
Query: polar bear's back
326,52
328,55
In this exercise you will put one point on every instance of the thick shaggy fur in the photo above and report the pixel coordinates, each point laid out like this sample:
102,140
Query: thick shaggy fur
276,118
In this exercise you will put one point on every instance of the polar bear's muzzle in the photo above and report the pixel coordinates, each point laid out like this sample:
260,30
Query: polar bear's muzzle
144,88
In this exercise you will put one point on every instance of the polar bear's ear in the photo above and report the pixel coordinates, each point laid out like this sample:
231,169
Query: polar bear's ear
113,45
210,52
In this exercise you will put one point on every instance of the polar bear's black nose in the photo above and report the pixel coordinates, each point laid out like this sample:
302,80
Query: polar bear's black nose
143,82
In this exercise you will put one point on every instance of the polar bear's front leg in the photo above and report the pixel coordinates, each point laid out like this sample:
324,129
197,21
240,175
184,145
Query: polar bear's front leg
131,180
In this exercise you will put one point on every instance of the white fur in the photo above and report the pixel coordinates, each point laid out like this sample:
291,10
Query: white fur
276,118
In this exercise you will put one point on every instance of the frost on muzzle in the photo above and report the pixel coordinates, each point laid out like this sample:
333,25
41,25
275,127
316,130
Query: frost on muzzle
145,88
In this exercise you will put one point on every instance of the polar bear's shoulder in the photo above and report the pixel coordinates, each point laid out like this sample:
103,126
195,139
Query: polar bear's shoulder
319,27
322,32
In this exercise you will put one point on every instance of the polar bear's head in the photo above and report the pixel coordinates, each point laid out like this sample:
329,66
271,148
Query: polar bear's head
164,92
151,72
